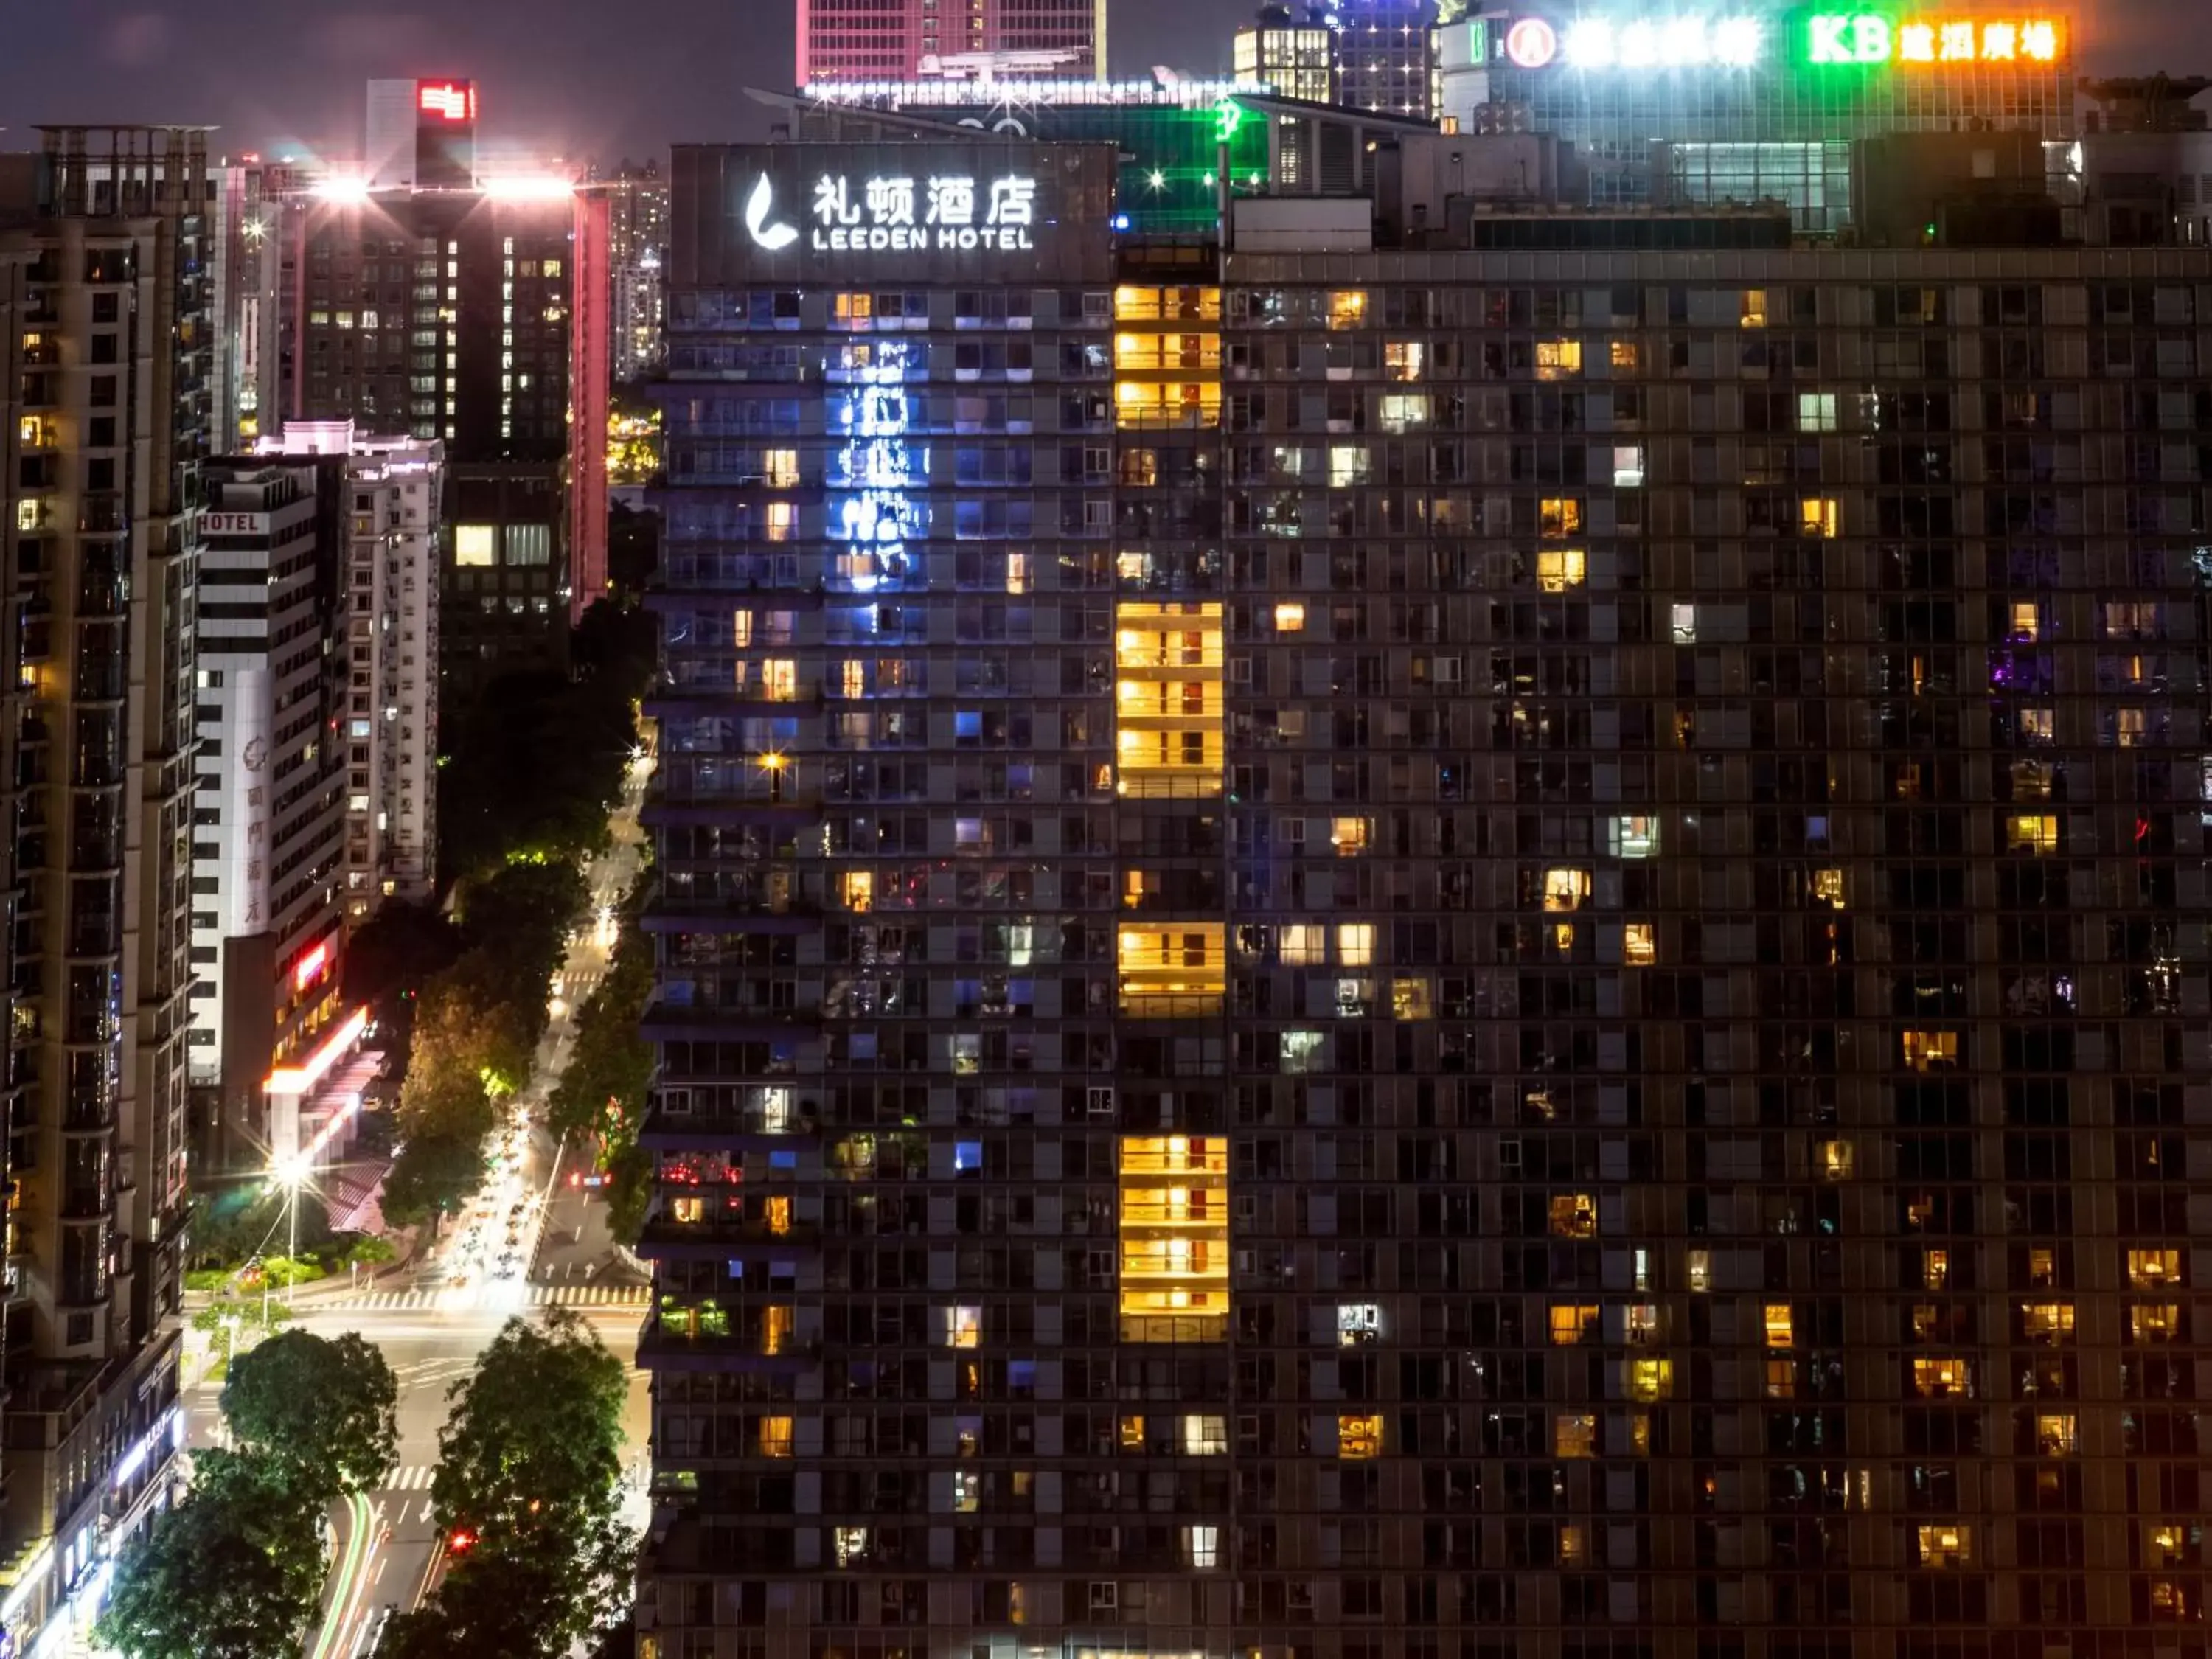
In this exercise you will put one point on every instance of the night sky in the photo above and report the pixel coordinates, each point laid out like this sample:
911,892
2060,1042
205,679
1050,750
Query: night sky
581,78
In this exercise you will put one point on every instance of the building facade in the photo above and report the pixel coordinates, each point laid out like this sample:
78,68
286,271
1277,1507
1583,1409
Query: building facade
1385,55
1406,950
269,817
900,39
1291,49
113,335
637,242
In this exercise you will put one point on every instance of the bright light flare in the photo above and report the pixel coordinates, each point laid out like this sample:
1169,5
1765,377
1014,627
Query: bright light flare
528,187
345,191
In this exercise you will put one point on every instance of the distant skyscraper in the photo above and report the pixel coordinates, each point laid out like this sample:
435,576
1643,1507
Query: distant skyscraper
637,242
1292,49
1384,55
897,40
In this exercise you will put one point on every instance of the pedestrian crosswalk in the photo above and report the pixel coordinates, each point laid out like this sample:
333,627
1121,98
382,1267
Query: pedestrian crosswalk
494,1296
411,1477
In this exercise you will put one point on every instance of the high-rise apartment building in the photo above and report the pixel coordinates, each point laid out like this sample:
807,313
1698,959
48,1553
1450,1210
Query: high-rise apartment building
899,40
1475,935
113,346
637,242
1290,50
395,530
269,818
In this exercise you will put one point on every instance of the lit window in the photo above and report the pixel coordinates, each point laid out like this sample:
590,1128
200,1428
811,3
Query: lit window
779,1322
1574,1548
960,1327
852,1544
1816,516
1934,1269
2153,1270
1816,411
1565,889
476,545
774,1438
1833,1159
1628,466
1698,1268
2039,726
779,521
1559,569
1574,1434
1289,618
1945,1544
1133,1434
1349,836
2033,833
2026,622
1410,999
1753,311
1573,1323
1828,887
1781,1326
1781,1378
1632,835
859,890
2155,1321
967,1494
1559,515
1347,466
2049,1322
1404,410
1557,359
1573,1215
1626,355
1359,1436
1205,1437
1347,307
1355,943
1304,945
2056,1435
1404,360
1928,1051
1201,1547
1638,947
1650,1380
1950,1377
1357,1323
1685,617
1642,1321
780,467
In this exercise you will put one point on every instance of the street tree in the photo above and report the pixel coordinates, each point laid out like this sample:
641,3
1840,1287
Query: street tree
234,1571
492,1603
327,1408
433,1172
528,1464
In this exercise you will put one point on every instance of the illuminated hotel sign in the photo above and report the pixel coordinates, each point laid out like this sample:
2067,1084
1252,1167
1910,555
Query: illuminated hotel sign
884,215
1868,39
1638,43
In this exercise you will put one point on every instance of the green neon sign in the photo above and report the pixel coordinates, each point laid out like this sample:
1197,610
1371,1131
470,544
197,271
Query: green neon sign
1864,40
1839,38
1227,116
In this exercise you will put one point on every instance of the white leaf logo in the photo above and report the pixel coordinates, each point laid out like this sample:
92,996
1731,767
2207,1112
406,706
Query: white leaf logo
767,235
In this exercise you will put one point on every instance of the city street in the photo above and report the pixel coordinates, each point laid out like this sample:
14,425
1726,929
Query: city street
528,1243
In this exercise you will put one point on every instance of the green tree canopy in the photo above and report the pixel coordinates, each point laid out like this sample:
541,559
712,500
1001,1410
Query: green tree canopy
327,1408
433,1172
234,1571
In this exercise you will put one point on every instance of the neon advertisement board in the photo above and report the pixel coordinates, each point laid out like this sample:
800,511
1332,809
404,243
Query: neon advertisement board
1876,39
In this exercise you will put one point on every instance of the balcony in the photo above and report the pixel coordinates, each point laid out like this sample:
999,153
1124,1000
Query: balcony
663,1347
666,1238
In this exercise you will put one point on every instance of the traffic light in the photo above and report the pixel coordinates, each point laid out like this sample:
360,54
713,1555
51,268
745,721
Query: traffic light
461,1542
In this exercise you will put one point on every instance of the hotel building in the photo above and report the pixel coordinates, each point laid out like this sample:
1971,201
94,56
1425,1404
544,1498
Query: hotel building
1473,930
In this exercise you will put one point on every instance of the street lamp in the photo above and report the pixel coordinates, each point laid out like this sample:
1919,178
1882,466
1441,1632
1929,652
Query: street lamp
291,1173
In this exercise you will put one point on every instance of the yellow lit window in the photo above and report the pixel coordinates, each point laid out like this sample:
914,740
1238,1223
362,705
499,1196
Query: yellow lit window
1626,356
1574,1548
778,1216
1816,516
1928,1051
1574,1434
858,889
1698,1268
1640,1433
775,1439
1404,360
1573,1323
2033,833
1349,836
1944,1544
779,1320
2047,1321
1559,569
1946,1377
1573,1215
2042,1265
1133,1434
779,521
781,467
1934,1269
2155,1321
853,307
1781,1379
2175,1603
1753,312
1410,999
1289,618
1347,466
1638,946
1347,307
2153,1270
779,679
2171,1544
1559,515
960,1327
1557,359
2027,621
1172,968
1174,1232
1359,1436
1650,1380
1303,945
1781,1326
2056,1434
852,678
1355,943
1828,887
475,544
1833,1159
1642,1321
1565,889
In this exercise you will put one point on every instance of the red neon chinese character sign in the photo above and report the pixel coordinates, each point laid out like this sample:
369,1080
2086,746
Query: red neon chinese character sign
450,100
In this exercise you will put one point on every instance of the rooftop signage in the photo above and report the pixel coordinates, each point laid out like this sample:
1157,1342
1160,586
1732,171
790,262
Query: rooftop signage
1636,43
1870,40
886,215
